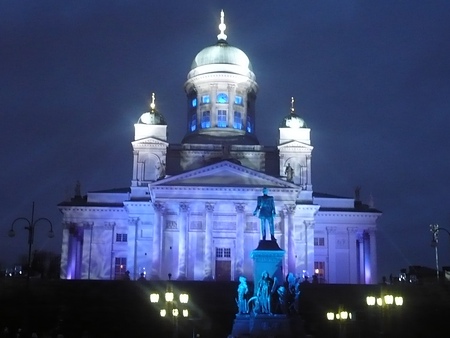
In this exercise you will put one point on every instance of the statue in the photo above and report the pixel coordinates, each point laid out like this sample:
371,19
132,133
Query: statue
242,291
264,290
289,172
266,207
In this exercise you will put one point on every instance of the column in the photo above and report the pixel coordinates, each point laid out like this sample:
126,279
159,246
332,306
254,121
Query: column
353,254
209,209
182,240
157,240
373,255
65,256
309,241
133,224
290,210
213,99
135,167
231,96
308,168
240,226
87,250
331,268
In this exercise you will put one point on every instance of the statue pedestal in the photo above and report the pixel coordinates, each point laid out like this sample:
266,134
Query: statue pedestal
265,325
268,256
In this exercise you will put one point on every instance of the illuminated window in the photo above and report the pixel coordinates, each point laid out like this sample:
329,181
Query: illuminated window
120,267
221,118
223,252
319,241
194,102
249,125
319,270
205,99
237,123
193,122
121,237
222,98
238,100
206,119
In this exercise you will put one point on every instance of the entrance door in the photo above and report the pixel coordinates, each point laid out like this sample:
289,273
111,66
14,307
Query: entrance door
223,264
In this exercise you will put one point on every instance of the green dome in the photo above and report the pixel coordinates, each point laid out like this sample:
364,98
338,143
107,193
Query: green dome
221,53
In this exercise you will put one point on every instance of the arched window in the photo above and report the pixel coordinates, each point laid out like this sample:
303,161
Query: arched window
222,98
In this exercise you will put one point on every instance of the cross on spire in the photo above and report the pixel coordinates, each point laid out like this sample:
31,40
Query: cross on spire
222,27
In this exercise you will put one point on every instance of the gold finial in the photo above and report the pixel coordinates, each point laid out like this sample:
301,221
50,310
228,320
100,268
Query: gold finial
222,27
292,105
152,105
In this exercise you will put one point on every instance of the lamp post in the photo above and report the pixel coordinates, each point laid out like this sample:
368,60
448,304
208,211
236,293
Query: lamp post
31,224
434,228
386,302
341,317
173,306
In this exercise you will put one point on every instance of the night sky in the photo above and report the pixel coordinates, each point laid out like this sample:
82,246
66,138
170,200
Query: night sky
370,78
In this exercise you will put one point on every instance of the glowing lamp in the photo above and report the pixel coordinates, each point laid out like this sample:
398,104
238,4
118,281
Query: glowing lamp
163,312
398,301
389,299
344,315
154,298
169,296
330,315
185,313
175,312
380,301
184,298
370,300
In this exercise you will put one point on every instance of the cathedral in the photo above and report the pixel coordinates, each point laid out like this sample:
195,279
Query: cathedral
188,213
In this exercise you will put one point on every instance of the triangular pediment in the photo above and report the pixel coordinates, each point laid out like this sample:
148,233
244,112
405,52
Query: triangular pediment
295,144
225,174
149,141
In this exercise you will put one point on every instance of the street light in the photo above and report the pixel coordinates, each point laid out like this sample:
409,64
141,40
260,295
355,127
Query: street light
434,228
341,318
383,303
172,306
30,228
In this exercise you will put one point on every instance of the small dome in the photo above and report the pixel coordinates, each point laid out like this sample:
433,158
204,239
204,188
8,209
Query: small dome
221,53
152,117
293,121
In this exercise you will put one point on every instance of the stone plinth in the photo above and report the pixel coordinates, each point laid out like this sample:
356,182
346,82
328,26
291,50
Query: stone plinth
268,256
265,325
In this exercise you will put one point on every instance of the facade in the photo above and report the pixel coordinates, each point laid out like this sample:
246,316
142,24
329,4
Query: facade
188,212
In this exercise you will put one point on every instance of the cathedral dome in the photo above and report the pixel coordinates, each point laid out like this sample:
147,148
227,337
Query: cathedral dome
221,53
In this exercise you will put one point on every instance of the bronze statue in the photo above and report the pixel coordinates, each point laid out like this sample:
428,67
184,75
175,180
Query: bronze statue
266,207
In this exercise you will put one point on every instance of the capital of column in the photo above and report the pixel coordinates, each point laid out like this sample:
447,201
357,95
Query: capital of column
240,207
352,230
290,208
110,225
371,231
184,207
209,207
88,225
160,207
133,220
331,230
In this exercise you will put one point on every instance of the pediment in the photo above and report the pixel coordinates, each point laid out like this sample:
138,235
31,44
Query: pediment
225,174
149,141
295,144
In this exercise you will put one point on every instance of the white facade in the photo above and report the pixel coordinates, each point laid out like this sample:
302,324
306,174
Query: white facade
189,209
